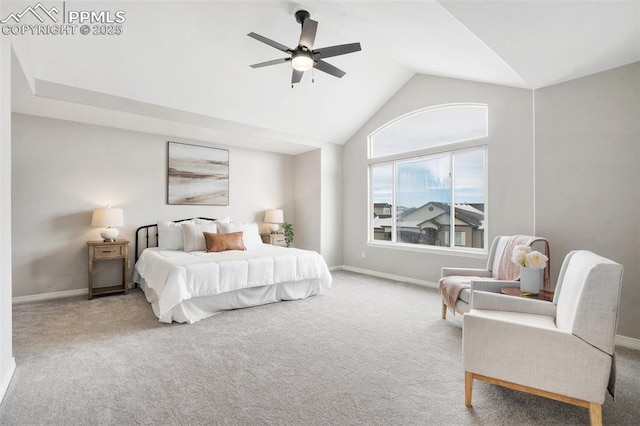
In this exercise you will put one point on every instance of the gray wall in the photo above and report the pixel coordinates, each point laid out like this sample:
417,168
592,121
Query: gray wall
587,174
7,362
62,170
510,172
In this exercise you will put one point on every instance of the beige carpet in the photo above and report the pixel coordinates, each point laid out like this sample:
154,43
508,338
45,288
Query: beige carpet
369,351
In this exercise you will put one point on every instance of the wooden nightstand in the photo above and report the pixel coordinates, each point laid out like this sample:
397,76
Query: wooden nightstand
274,239
100,250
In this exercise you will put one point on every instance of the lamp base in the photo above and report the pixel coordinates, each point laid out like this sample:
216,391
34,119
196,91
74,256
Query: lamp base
109,235
274,228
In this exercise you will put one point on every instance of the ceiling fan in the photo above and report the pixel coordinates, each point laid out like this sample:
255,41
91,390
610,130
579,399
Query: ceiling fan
304,57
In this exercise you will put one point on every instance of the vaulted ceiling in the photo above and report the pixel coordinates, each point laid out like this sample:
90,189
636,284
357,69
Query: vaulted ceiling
181,68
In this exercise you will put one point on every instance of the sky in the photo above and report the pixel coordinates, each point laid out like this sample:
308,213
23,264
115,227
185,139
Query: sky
427,179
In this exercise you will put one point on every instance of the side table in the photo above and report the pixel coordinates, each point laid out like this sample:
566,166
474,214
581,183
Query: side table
515,291
102,250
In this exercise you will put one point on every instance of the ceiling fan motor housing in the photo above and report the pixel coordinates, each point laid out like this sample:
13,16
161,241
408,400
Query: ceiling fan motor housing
301,16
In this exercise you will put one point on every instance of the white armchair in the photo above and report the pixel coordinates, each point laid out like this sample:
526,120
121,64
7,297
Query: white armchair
457,284
561,350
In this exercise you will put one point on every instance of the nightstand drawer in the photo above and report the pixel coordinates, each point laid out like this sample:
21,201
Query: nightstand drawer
274,239
277,239
109,251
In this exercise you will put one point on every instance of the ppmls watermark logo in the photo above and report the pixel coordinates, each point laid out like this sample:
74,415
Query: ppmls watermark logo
58,20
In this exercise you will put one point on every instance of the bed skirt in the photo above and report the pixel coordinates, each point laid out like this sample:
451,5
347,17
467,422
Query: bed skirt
198,308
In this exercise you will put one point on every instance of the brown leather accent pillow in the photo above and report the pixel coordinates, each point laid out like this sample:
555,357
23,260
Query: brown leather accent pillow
222,242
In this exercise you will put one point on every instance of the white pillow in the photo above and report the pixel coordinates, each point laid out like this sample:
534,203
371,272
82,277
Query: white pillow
194,237
250,232
226,219
170,235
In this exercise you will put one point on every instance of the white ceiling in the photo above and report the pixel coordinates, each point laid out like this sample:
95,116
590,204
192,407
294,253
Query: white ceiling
181,69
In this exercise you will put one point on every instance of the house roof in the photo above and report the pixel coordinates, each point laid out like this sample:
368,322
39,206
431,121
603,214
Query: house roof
464,212
182,68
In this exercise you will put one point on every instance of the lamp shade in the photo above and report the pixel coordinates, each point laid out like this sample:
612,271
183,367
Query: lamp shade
107,217
273,216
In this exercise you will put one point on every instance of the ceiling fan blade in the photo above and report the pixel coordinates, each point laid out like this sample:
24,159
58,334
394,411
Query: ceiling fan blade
267,63
328,68
308,36
270,42
296,76
342,49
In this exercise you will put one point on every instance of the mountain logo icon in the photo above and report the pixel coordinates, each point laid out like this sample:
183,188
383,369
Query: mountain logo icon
38,11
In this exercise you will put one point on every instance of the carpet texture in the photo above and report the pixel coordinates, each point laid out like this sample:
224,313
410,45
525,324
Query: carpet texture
369,351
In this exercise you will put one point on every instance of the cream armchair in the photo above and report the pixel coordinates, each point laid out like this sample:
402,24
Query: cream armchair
561,350
457,284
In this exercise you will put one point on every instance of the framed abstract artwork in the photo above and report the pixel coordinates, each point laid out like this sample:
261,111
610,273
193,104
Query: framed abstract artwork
197,175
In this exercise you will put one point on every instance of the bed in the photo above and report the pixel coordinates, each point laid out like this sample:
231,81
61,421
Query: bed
188,284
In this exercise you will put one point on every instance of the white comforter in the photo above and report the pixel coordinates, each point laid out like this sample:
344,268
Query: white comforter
175,276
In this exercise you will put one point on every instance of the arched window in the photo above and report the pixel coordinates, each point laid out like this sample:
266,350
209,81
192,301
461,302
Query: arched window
426,168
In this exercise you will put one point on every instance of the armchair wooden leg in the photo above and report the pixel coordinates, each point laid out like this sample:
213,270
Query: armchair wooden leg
468,387
595,414
444,311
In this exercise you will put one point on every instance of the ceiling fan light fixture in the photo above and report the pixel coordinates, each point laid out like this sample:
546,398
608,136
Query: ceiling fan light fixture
304,56
302,61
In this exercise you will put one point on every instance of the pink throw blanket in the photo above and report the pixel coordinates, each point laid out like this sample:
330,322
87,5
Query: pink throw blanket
450,288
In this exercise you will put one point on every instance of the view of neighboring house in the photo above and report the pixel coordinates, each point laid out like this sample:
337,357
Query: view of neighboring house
430,224
382,210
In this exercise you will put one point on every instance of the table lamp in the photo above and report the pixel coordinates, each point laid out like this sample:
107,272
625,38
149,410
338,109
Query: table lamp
108,219
275,218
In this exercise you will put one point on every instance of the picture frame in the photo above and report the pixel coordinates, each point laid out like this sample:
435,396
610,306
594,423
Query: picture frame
197,175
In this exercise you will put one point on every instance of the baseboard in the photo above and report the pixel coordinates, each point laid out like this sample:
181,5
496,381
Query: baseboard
392,277
6,376
55,295
336,268
628,342
49,296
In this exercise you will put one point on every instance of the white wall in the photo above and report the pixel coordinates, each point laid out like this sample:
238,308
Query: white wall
7,362
62,170
318,199
307,192
510,170
331,237
588,174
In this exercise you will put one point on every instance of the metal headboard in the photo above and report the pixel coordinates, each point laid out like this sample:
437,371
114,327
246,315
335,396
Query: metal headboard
154,233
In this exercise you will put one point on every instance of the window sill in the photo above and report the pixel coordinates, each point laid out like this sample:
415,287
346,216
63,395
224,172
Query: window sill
459,252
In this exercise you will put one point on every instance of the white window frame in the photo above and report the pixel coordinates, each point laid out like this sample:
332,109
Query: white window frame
452,149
